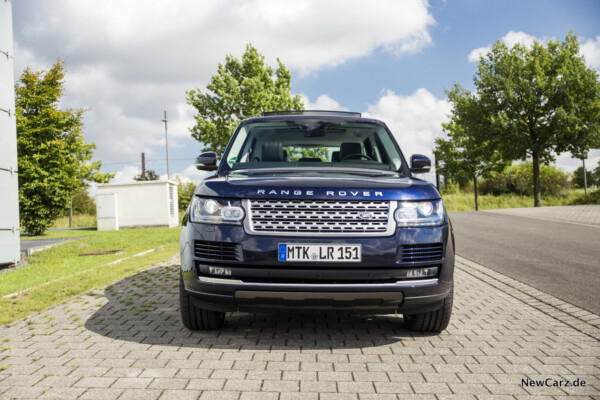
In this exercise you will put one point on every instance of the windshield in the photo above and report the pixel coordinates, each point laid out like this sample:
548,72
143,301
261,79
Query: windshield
313,143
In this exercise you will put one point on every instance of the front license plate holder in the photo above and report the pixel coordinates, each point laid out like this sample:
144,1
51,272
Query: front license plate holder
294,252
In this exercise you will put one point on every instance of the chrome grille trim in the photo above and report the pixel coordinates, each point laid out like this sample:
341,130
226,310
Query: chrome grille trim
397,284
324,218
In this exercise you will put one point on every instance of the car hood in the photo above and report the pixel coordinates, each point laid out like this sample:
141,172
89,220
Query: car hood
318,187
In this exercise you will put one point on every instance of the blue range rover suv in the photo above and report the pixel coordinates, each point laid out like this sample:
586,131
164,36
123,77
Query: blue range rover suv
316,210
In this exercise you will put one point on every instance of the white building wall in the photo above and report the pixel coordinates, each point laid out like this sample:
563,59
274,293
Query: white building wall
149,203
9,192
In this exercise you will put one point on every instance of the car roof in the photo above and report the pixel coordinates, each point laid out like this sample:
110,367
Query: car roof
312,115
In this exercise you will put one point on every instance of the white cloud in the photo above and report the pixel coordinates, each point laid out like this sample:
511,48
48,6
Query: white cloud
191,174
126,174
415,120
510,39
589,48
127,61
568,164
324,102
591,51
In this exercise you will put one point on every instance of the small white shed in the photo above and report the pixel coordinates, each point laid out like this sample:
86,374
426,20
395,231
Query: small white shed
137,204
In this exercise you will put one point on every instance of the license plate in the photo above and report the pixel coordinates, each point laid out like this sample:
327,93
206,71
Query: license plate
320,252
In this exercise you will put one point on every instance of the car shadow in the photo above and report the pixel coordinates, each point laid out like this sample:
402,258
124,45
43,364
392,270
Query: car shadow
144,308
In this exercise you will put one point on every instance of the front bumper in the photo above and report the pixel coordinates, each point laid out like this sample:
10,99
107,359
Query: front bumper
260,282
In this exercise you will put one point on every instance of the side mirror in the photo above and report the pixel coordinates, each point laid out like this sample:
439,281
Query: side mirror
419,164
207,161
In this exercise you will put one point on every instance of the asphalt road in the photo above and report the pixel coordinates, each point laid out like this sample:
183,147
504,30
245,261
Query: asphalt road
559,258
32,245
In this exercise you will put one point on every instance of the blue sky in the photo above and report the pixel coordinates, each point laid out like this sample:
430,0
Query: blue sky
127,61
460,27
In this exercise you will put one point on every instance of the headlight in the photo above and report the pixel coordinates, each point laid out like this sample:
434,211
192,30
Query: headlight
422,213
216,211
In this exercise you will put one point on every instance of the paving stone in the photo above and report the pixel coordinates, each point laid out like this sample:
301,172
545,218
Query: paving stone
57,382
96,382
62,393
158,372
101,394
280,386
501,332
356,387
225,395
242,385
137,394
393,387
131,383
206,384
169,383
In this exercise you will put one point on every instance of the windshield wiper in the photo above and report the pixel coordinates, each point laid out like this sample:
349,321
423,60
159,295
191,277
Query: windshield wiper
303,170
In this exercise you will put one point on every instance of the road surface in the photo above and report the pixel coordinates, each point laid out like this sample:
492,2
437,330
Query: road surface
557,257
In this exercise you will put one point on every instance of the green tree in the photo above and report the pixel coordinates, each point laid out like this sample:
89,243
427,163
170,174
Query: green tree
150,175
240,89
185,191
467,153
82,203
296,153
592,177
540,101
54,161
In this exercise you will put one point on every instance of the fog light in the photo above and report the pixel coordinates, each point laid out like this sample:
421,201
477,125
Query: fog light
219,271
422,272
212,270
233,213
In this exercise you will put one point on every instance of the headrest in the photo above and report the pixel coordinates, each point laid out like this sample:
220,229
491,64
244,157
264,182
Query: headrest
348,148
272,152
335,156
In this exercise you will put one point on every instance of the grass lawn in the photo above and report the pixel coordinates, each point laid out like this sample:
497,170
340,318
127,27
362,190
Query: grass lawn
466,201
59,273
79,221
85,221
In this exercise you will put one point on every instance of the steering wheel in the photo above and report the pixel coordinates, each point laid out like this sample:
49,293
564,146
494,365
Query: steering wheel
356,155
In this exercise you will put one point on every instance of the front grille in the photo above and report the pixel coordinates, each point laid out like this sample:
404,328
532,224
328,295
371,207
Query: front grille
333,217
217,251
421,252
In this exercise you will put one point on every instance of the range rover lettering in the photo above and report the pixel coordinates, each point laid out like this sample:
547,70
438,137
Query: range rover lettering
316,210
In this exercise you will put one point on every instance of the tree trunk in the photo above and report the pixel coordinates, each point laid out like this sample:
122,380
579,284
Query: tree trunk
475,190
537,190
71,212
584,177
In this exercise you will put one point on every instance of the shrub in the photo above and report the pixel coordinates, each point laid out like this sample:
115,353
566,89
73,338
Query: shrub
518,179
450,188
185,191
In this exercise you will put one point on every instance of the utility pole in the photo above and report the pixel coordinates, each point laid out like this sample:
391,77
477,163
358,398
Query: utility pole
167,145
437,174
143,176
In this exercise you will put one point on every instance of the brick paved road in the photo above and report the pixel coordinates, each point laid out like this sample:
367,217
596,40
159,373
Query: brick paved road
588,214
127,342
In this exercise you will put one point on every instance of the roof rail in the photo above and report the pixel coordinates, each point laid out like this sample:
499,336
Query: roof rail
313,112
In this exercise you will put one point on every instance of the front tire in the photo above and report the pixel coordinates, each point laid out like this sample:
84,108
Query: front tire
196,318
432,321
